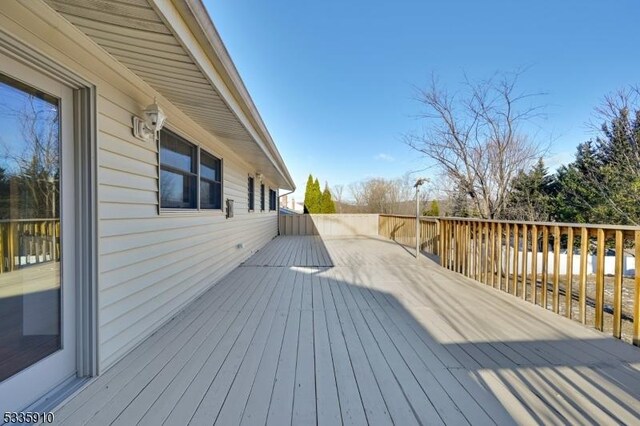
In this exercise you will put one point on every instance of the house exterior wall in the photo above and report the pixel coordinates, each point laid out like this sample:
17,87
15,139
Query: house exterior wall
151,264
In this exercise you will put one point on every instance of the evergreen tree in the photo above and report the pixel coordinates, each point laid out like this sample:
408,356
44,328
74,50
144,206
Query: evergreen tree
578,200
603,184
532,195
309,200
460,202
316,206
327,202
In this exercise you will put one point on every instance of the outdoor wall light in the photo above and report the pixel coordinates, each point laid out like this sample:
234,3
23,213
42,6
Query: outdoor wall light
259,176
148,127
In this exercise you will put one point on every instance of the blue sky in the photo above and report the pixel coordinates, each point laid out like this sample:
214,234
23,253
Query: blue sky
334,80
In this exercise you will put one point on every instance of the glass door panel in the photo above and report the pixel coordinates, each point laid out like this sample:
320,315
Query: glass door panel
30,244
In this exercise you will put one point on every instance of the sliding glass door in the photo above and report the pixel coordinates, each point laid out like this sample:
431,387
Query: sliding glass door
37,289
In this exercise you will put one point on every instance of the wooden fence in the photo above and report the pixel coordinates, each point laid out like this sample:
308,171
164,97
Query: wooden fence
329,224
524,259
28,242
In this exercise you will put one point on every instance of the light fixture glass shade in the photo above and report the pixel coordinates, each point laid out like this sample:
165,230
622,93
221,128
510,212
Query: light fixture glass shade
148,127
155,117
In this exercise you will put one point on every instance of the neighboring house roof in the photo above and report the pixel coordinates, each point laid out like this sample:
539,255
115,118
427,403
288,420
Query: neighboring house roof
175,48
287,211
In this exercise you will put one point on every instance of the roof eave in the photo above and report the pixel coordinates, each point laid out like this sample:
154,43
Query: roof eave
197,19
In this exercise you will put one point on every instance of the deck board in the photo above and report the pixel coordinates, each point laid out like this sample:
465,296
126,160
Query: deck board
314,330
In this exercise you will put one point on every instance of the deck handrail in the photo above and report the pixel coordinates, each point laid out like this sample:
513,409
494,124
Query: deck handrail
503,255
561,224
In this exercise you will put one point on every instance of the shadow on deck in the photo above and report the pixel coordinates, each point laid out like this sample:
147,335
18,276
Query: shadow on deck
355,331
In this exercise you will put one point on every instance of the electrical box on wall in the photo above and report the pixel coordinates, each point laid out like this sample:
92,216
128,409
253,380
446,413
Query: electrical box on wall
229,208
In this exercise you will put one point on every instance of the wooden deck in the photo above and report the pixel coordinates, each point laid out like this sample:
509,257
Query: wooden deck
355,331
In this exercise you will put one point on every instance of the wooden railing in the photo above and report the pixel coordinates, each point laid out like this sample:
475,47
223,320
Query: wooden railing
582,271
402,229
28,242
577,270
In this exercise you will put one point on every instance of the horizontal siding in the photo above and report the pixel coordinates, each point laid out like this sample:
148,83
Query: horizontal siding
152,264
134,308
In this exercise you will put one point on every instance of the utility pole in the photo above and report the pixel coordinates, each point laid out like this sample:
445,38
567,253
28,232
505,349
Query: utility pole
419,182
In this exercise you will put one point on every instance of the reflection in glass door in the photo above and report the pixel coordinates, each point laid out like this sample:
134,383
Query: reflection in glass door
30,250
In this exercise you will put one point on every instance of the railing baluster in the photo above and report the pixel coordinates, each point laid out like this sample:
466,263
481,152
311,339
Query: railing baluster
545,266
3,232
492,263
11,246
636,292
516,251
534,264
556,269
486,253
525,260
458,237
445,244
582,297
568,288
465,247
499,262
507,262
476,251
599,320
617,286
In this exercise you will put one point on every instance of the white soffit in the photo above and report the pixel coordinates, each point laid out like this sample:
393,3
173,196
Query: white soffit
134,33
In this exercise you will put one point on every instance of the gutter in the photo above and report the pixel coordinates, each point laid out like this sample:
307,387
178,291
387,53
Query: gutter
280,196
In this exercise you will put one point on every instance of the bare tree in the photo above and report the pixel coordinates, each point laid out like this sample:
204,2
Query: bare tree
337,192
476,137
32,159
380,195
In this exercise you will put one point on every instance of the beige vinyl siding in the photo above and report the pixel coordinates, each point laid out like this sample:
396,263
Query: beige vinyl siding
150,265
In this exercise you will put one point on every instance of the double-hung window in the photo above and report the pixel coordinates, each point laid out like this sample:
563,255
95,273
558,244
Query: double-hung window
251,193
189,177
272,199
210,181
262,197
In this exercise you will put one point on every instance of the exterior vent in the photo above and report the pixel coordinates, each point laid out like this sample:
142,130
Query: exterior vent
229,208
